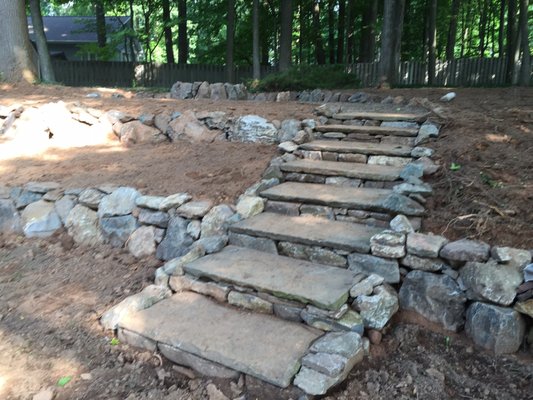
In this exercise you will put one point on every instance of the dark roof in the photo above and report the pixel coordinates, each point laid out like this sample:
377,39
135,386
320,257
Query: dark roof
75,29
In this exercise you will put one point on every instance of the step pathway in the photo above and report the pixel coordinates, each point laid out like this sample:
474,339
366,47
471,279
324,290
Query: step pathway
287,306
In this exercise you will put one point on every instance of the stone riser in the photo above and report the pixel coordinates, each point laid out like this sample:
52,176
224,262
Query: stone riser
364,137
355,157
370,218
337,180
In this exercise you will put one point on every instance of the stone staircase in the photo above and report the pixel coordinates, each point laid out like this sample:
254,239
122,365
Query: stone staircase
275,303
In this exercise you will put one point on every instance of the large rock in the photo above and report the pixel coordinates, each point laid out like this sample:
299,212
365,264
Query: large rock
215,221
425,245
91,198
289,129
136,132
255,129
64,205
466,250
177,241
516,258
248,206
186,126
82,225
141,243
495,328
9,217
194,209
490,281
119,202
116,230
181,91
436,297
156,218
367,264
379,308
236,92
218,91
39,219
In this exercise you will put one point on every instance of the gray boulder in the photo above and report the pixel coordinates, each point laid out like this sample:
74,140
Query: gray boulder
141,243
116,230
120,202
254,129
177,241
181,91
289,129
378,308
215,221
39,219
367,264
9,217
82,225
466,250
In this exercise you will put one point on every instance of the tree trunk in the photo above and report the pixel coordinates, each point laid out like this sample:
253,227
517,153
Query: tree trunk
483,19
331,31
285,35
230,42
255,40
398,31
525,70
368,33
45,62
501,30
452,30
341,27
320,54
391,40
511,41
133,56
169,42
101,33
432,41
350,42
16,62
183,39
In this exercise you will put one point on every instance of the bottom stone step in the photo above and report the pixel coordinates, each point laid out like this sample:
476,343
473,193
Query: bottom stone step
256,344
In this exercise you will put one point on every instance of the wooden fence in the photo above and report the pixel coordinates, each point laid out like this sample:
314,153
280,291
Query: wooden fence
462,72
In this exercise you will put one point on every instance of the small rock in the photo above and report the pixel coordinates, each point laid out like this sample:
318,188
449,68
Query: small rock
194,229
215,221
41,187
248,206
117,230
448,97
328,364
120,202
177,242
175,266
418,152
39,219
379,308
425,245
288,147
141,243
466,250
249,302
174,201
346,344
213,244
152,202
412,170
367,264
194,209
82,225
401,224
374,336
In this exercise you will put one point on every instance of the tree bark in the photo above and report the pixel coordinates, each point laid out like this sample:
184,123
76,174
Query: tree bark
16,62
255,40
230,42
511,41
501,30
169,40
350,31
101,33
285,51
183,39
432,41
131,43
452,30
331,31
341,27
391,40
368,32
525,69
398,31
45,62
320,54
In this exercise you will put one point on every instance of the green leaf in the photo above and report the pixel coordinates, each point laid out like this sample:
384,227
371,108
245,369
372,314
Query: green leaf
455,167
64,380
114,342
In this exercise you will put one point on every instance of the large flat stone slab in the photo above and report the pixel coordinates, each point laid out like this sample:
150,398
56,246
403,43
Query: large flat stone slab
310,230
382,200
256,344
321,285
381,116
371,130
343,146
347,169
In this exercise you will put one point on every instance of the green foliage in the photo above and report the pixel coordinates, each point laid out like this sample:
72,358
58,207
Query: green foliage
63,381
304,77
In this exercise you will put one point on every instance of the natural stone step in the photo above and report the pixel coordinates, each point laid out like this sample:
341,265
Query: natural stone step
341,146
320,285
381,200
309,230
346,169
371,130
260,345
382,116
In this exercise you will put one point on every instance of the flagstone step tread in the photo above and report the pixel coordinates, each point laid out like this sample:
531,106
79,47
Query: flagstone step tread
260,345
410,117
342,146
371,130
346,169
381,200
309,283
309,230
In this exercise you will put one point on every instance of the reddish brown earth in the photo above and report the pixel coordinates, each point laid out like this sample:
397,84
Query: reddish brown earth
52,294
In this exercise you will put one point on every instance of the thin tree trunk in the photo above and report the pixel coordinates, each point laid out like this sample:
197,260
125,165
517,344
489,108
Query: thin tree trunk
501,30
183,39
398,31
386,61
432,41
16,62
100,23
511,41
230,42
483,28
285,44
45,62
169,40
331,31
133,56
368,31
525,69
350,30
255,40
452,30
320,54
341,27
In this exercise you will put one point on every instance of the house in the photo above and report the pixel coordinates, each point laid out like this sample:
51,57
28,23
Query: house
74,38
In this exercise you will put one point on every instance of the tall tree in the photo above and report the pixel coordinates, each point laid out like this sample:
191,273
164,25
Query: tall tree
183,39
167,28
331,31
99,11
432,41
285,41
320,54
452,30
393,12
350,32
16,63
45,62
230,42
255,39
341,27
525,69
368,31
501,30
512,45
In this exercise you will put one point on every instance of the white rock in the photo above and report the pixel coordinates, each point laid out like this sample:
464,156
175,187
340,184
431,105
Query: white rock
82,225
39,219
448,97
141,243
174,200
248,206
